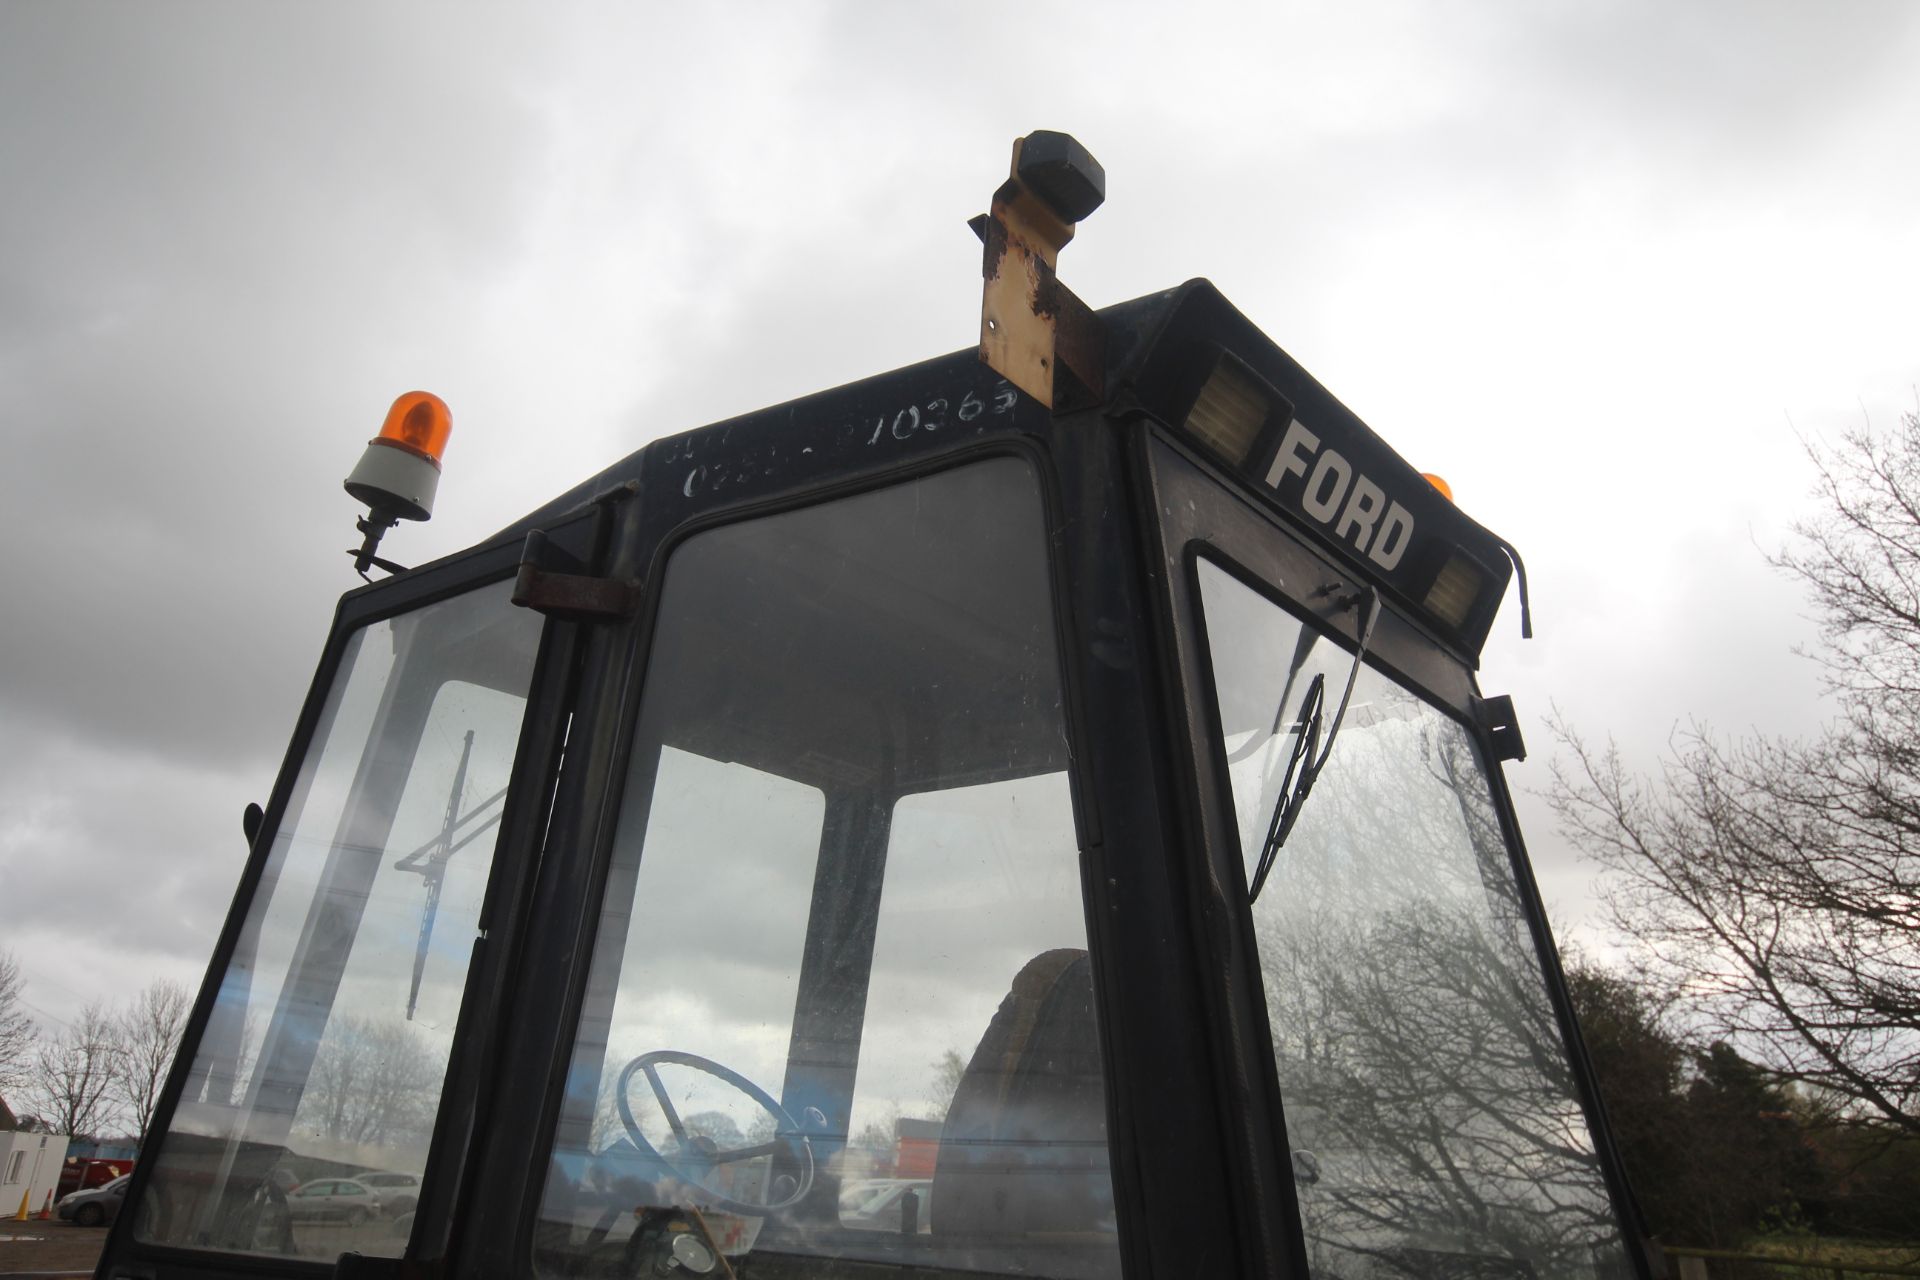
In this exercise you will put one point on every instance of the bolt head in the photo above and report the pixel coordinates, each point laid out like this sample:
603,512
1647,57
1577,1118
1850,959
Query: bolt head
1055,167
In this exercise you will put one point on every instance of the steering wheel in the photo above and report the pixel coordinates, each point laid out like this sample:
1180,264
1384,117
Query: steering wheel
696,1157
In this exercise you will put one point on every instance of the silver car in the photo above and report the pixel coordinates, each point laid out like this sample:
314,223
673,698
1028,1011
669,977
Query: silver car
93,1206
398,1192
334,1200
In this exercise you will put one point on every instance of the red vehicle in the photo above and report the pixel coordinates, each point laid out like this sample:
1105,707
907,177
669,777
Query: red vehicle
82,1173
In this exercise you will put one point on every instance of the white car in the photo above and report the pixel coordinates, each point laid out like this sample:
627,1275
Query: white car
876,1205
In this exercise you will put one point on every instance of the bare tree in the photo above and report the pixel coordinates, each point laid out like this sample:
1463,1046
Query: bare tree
74,1072
16,1027
149,1036
374,1082
948,1070
1427,1091
1775,885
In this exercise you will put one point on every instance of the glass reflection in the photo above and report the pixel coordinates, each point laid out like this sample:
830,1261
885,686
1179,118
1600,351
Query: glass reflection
305,1121
839,1019
1432,1116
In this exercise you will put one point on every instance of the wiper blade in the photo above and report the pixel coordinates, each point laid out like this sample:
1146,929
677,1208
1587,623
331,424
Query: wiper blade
1309,755
1294,784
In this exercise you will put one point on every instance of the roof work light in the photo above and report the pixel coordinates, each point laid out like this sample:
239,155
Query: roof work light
397,475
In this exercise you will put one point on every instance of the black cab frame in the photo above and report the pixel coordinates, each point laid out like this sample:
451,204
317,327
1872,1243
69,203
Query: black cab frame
920,830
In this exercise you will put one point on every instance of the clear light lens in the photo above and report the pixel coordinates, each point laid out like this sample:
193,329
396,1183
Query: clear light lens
1229,412
1452,595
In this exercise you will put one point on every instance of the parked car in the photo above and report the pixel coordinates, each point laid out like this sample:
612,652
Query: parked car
90,1173
93,1206
399,1192
334,1199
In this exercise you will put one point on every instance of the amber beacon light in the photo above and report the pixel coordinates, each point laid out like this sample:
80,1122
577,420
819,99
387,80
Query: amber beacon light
397,475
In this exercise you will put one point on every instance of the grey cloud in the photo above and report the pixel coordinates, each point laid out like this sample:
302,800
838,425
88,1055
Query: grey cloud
222,209
1727,83
116,869
234,231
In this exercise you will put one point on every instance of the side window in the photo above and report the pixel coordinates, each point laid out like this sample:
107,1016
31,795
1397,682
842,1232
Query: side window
840,1003
331,1032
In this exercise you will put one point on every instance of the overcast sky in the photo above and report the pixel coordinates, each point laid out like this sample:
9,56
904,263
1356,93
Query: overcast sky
1602,266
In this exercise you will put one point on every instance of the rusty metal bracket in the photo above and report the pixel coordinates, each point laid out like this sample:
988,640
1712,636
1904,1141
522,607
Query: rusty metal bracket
1033,331
576,597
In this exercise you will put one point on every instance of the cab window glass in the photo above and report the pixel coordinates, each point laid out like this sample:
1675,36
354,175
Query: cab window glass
1433,1119
329,1039
981,899
840,1004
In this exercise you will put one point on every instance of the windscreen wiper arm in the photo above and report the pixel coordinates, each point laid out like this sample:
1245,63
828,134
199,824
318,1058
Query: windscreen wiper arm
1309,754
429,861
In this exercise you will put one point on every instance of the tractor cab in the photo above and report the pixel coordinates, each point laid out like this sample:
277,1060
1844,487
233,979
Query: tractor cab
1031,813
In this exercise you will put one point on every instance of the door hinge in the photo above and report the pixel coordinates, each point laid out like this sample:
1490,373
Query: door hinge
548,584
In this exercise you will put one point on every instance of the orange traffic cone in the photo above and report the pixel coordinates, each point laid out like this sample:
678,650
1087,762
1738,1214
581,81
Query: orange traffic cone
46,1208
26,1198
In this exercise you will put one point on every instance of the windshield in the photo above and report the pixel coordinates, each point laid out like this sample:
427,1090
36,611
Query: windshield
1433,1120
840,1004
328,1043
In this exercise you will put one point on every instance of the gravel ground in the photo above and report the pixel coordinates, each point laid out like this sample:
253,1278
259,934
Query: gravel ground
48,1247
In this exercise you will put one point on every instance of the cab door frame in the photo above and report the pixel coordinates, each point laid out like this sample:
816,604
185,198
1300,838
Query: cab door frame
516,857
